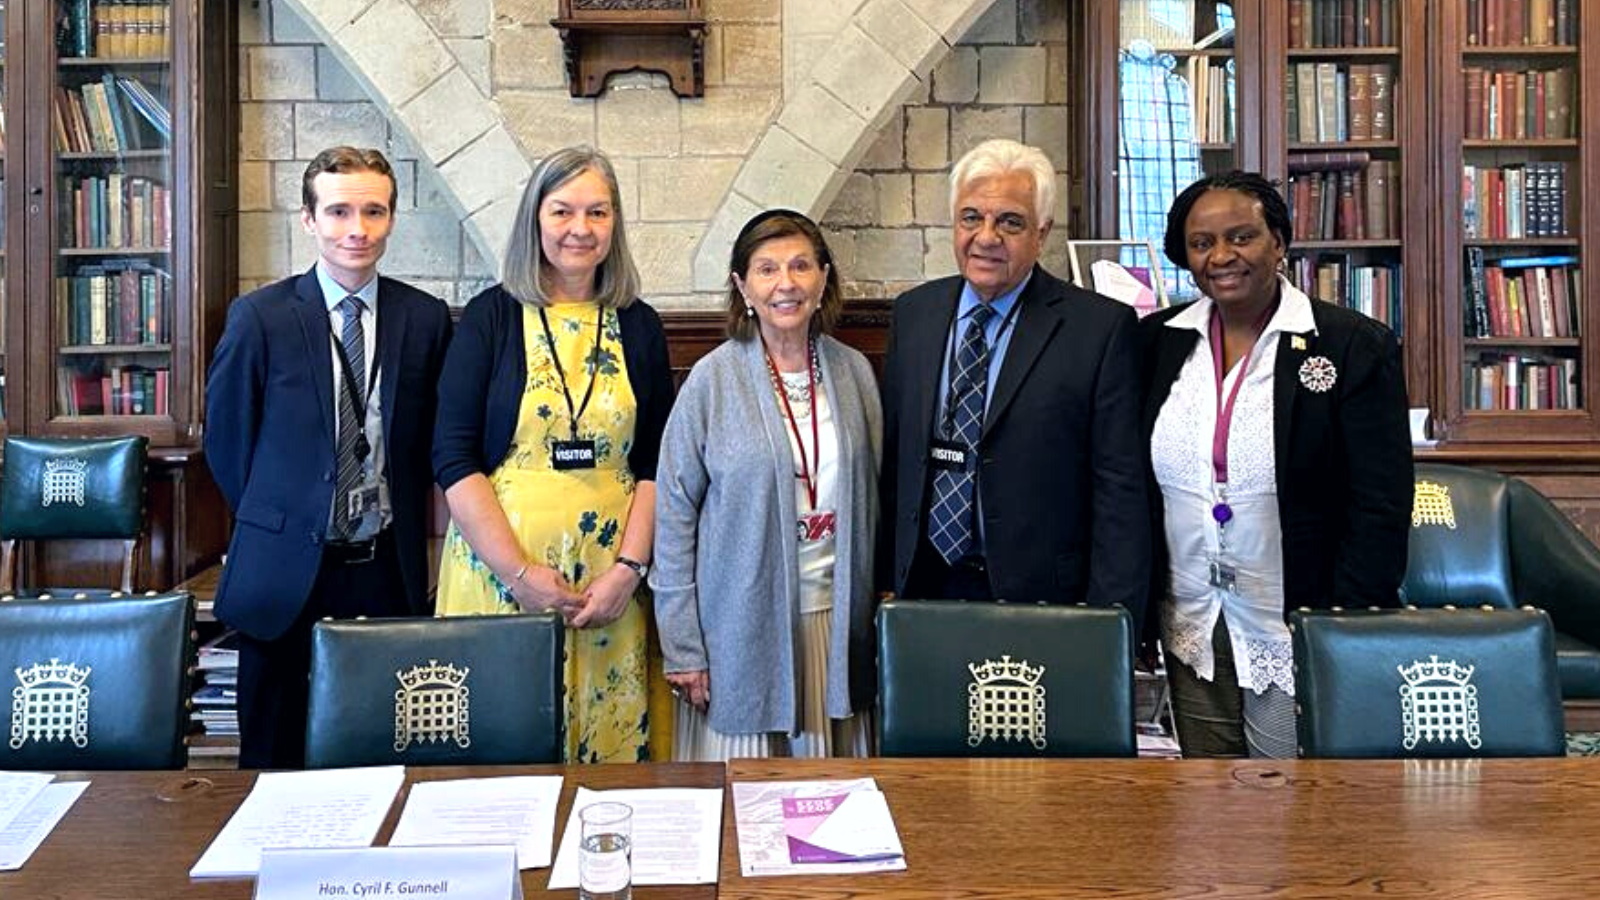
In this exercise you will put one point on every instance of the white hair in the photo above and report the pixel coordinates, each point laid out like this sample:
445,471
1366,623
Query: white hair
1000,157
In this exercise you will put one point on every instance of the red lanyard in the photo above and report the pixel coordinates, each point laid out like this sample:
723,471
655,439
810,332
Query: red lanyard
1219,432
794,427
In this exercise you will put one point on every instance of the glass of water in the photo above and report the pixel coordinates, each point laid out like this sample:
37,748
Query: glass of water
605,852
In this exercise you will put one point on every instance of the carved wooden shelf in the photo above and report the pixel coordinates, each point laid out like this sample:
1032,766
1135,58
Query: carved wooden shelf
603,37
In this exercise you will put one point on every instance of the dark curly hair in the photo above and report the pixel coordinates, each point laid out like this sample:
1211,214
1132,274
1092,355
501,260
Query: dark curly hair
1253,184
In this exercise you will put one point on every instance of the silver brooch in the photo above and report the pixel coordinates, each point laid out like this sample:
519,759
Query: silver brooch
1318,374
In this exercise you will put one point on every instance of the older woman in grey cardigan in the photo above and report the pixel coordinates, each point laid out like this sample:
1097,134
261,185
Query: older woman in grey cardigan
766,503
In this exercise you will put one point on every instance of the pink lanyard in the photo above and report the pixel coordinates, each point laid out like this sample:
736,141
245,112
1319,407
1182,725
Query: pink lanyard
794,427
1219,432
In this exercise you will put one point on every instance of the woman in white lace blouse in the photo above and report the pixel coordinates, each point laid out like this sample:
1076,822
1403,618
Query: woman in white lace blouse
1281,466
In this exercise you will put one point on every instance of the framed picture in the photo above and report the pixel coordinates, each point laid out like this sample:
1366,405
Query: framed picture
1129,271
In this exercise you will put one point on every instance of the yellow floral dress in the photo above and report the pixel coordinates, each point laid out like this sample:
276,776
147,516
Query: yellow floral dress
573,521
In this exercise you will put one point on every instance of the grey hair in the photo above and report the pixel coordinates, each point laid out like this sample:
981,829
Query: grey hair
617,279
1001,157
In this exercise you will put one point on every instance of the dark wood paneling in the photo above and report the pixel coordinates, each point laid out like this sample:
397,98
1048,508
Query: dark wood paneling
863,325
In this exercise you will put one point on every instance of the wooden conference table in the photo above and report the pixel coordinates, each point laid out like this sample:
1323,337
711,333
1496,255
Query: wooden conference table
1009,829
135,835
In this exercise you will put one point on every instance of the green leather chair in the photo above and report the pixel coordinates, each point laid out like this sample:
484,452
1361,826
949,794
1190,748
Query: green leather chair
1004,679
1426,683
72,489
473,690
1479,538
96,683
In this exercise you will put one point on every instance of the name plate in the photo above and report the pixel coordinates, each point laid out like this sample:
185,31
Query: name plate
391,873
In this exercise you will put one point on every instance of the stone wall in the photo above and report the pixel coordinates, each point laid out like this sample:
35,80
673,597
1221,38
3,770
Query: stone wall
296,98
1007,77
848,108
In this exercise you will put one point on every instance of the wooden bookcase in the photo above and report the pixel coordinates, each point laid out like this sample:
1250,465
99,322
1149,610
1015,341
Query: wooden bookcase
1429,52
120,243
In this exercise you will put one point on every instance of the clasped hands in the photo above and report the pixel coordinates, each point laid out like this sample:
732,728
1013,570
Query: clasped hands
543,589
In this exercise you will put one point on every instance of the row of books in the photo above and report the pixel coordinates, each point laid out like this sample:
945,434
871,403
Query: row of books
1346,205
1507,105
1521,23
111,115
1520,382
114,29
1328,101
215,699
1526,200
119,304
96,390
1372,290
1211,97
1525,296
1342,23
114,211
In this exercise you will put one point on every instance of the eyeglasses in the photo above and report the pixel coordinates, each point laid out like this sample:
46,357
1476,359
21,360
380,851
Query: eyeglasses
1008,224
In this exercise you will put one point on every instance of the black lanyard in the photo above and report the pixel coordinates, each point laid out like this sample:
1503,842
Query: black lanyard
594,366
948,421
358,402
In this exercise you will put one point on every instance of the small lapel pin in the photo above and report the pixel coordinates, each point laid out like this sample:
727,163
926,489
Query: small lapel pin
1297,342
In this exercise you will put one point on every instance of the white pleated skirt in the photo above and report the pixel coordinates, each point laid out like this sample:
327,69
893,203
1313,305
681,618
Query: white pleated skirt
695,741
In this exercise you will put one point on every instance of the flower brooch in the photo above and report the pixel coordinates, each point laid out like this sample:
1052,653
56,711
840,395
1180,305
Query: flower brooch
1318,374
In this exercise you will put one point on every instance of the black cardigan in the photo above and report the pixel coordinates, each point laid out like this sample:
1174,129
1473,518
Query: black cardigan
485,370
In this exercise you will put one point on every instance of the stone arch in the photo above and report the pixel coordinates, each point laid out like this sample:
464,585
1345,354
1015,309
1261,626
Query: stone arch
409,71
829,117
833,115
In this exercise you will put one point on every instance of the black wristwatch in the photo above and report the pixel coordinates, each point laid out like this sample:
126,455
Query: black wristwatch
640,569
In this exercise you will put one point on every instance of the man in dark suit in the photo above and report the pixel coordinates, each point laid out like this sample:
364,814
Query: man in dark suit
319,423
1012,463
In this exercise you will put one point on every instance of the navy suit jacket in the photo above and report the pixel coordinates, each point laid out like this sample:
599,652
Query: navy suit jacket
270,442
1060,467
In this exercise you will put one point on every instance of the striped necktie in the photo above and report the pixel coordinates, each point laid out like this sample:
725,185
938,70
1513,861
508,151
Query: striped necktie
351,422
950,518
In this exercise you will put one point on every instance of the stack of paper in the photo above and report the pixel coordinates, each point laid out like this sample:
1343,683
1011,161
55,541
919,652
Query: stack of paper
215,704
677,835
517,809
815,827
30,807
302,810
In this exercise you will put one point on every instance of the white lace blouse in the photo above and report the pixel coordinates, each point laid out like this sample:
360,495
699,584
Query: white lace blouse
1252,542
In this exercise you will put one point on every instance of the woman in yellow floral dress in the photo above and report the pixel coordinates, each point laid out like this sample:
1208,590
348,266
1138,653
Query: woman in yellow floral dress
554,395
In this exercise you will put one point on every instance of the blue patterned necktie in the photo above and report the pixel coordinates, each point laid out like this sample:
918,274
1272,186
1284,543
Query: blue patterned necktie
950,519
350,421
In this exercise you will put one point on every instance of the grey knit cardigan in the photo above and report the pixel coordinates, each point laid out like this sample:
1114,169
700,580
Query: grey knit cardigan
726,572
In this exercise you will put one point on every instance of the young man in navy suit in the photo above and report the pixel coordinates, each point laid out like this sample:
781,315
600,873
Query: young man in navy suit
319,426
1012,466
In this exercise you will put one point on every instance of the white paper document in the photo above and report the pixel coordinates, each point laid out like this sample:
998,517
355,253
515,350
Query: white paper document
17,790
764,845
518,810
303,810
26,831
677,835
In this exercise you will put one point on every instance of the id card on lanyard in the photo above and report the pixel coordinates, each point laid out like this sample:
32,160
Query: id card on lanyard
367,496
575,453
813,524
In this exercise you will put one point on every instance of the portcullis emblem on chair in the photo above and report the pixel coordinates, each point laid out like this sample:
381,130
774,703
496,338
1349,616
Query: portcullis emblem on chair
64,481
1432,506
50,703
1438,703
431,706
1005,702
